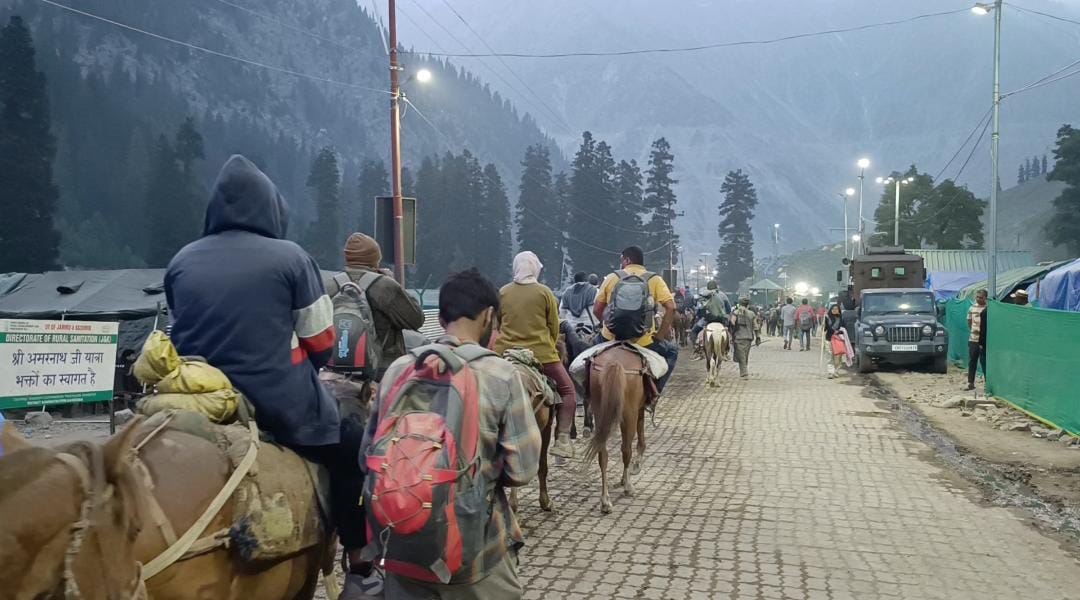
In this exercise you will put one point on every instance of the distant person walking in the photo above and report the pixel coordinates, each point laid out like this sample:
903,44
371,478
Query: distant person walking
743,320
976,320
805,320
787,319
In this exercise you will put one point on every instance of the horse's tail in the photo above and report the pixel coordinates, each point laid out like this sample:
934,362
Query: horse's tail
607,409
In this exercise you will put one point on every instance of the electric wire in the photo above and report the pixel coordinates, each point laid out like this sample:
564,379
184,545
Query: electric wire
1044,14
191,46
698,48
513,73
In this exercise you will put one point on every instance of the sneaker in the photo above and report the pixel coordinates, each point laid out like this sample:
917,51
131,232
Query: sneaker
969,388
562,446
362,587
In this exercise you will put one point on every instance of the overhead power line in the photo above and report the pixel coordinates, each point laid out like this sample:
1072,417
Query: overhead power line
1043,14
191,46
702,47
984,117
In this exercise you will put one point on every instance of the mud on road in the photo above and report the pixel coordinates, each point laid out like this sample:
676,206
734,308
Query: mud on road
1011,469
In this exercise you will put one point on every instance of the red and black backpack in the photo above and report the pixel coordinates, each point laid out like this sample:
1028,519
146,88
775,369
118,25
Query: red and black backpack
424,493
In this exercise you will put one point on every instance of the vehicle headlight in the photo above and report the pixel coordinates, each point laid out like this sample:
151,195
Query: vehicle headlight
879,330
927,331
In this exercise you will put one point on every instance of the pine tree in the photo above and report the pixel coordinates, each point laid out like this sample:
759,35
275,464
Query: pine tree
493,229
629,202
1021,177
373,181
28,240
1027,169
735,258
175,199
537,216
660,202
590,192
1042,170
324,239
431,258
912,195
1064,227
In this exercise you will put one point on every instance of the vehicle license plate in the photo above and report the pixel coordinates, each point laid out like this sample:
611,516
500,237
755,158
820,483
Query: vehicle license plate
905,348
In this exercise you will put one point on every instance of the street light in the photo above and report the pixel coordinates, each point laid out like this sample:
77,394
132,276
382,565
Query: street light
423,76
983,8
896,212
844,196
863,164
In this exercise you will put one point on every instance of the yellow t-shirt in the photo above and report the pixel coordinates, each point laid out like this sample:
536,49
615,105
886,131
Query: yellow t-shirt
658,289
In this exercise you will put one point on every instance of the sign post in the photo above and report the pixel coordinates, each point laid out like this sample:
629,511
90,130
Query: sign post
45,363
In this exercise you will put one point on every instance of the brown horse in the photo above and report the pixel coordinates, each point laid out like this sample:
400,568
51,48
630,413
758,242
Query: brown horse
69,520
681,323
617,394
184,473
537,389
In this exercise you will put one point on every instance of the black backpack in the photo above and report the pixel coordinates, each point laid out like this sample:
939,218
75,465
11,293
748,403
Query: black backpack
630,312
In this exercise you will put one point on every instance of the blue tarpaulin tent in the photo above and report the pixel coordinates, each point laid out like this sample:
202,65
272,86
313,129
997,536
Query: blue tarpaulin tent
947,285
1059,289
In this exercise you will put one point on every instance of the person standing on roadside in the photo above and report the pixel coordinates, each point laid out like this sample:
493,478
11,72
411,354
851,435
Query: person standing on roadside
787,320
743,320
836,335
976,320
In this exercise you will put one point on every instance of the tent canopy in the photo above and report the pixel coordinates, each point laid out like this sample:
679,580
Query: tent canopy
947,285
1060,289
1008,281
766,284
121,295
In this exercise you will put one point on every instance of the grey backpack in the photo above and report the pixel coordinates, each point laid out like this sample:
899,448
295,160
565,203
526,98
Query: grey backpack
356,349
632,306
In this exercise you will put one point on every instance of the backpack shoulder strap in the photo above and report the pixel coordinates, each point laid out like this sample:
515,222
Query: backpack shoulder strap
647,275
367,279
621,274
340,279
445,353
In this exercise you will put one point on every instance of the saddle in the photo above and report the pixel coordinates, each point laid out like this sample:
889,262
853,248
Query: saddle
273,514
648,378
540,388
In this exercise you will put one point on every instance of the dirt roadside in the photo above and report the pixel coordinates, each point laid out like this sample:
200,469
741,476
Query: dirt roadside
1029,453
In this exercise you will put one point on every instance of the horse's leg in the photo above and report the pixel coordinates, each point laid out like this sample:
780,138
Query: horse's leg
588,417
605,500
628,428
514,498
640,438
545,442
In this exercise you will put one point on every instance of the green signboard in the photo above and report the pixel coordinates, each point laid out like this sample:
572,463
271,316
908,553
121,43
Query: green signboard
44,363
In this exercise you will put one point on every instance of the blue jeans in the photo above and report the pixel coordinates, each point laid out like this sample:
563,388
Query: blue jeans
670,352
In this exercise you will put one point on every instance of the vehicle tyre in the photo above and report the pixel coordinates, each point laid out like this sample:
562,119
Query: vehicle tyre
941,364
866,364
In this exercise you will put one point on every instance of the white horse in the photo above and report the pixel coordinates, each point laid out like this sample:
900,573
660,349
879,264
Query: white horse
717,345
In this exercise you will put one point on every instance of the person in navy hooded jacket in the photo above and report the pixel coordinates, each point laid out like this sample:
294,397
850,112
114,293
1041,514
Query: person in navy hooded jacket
253,305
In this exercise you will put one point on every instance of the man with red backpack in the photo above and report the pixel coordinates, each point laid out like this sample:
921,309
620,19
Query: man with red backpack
451,428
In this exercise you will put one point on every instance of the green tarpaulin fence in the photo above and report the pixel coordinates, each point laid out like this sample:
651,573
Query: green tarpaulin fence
1033,362
956,324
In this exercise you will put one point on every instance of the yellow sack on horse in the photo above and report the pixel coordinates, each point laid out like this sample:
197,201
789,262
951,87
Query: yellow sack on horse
183,383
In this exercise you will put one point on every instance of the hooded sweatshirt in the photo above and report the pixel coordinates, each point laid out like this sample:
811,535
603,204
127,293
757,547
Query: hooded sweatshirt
253,305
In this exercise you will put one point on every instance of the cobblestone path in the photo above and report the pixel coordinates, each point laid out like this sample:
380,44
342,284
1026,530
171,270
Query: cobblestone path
786,485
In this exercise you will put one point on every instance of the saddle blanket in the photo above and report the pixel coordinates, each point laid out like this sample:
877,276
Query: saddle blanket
580,367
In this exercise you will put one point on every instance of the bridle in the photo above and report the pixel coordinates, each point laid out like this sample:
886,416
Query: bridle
90,469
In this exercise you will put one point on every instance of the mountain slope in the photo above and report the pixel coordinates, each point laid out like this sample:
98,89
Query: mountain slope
795,115
306,75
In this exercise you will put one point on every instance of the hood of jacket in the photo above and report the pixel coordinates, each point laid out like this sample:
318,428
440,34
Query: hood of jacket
244,198
580,298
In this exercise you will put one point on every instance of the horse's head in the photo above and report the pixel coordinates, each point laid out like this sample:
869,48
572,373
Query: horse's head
69,519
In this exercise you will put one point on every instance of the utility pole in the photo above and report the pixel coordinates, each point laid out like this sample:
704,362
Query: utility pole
395,149
862,163
896,217
991,246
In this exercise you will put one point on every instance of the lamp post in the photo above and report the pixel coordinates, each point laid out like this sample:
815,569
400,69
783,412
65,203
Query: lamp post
844,197
863,164
855,239
896,212
995,137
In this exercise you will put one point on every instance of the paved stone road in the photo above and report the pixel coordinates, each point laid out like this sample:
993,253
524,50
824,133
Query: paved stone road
787,485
